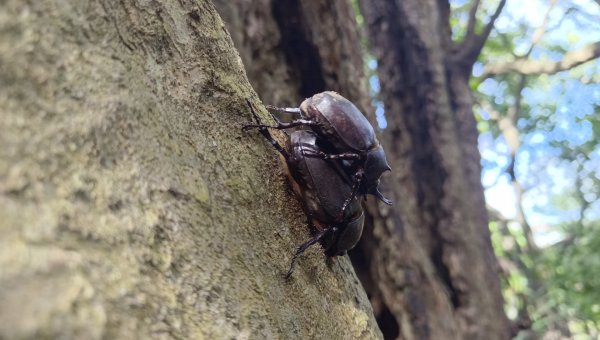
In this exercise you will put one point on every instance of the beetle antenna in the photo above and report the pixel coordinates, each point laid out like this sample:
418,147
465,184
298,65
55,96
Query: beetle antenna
302,248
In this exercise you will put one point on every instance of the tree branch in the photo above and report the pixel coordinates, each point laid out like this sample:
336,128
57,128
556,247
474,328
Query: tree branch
541,30
536,67
472,19
471,46
508,127
490,25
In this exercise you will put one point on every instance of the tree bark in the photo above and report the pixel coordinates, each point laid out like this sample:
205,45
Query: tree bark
442,279
132,205
427,262
293,49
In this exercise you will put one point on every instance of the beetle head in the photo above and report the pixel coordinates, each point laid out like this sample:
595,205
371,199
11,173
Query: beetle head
375,165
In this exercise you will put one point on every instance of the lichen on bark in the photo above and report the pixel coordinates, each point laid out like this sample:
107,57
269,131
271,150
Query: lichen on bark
132,205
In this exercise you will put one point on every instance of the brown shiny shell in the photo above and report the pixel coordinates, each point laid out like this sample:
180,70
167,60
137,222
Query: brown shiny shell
343,124
346,238
324,187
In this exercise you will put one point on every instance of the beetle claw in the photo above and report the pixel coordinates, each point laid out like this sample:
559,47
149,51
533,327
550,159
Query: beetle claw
302,248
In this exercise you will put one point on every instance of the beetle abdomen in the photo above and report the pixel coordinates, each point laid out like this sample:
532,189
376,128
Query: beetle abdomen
347,238
324,186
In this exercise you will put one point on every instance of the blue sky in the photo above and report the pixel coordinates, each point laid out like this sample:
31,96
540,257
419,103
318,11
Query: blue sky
571,98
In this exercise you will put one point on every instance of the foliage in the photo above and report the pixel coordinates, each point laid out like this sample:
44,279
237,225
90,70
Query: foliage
540,144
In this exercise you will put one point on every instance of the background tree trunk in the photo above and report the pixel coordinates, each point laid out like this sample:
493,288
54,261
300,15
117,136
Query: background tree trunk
293,49
447,270
132,205
427,262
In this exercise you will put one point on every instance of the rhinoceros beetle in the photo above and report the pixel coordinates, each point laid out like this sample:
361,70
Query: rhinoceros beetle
322,188
346,135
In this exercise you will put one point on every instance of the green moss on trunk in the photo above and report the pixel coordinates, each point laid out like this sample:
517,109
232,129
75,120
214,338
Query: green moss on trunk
131,203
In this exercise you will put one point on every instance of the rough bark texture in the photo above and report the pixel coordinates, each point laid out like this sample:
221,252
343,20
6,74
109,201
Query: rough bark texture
293,49
131,204
445,282
427,262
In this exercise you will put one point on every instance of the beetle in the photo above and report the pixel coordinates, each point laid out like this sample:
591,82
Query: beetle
322,188
347,135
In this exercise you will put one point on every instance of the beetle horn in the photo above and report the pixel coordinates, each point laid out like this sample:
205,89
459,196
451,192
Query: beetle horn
375,192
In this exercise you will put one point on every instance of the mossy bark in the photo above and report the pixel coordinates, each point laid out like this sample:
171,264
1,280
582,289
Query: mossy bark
131,204
426,262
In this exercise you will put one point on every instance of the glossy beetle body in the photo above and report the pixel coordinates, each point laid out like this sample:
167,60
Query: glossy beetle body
322,188
345,135
347,129
340,122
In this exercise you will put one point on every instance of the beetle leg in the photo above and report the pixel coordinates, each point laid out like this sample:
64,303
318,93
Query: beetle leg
302,248
282,125
264,131
358,177
292,110
322,155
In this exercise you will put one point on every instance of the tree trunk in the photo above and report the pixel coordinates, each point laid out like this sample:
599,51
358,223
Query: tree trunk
441,279
132,205
427,262
293,49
